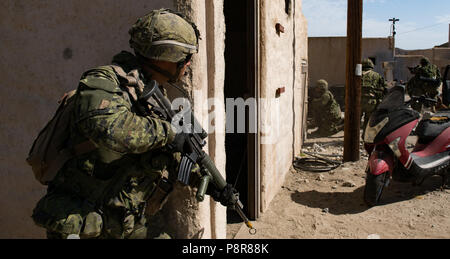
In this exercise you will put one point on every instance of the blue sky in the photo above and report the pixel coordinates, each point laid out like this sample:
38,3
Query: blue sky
423,23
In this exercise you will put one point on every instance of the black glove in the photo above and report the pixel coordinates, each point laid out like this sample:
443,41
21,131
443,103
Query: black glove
225,197
180,143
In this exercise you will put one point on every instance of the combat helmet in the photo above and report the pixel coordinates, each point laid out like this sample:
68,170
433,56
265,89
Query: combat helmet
424,61
164,35
367,64
321,86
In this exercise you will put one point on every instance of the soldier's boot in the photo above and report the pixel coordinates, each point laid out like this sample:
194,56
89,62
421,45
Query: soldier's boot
341,124
326,132
320,132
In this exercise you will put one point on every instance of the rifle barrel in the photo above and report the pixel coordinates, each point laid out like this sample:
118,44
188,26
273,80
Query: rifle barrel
247,222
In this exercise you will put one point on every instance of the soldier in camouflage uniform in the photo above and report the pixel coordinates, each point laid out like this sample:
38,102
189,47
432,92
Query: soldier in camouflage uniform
426,81
374,88
111,191
326,112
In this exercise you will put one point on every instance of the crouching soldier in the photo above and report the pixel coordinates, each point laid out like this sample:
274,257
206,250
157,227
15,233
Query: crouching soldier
326,112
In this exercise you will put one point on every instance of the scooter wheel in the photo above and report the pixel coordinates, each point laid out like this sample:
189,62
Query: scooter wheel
374,188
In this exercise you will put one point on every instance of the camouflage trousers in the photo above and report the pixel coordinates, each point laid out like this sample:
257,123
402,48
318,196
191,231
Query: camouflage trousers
77,217
367,108
329,125
122,210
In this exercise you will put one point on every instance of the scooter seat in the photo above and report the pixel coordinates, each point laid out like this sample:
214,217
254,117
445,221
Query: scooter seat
429,129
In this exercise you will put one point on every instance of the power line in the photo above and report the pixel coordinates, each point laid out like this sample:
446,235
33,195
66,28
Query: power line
426,27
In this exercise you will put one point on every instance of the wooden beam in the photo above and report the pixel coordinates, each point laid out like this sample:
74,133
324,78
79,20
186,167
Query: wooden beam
353,81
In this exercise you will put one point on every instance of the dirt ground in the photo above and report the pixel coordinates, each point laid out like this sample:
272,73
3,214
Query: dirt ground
329,205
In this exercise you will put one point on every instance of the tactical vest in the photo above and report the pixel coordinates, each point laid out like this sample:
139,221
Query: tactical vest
371,90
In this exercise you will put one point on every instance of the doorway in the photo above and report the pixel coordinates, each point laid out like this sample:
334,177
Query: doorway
241,82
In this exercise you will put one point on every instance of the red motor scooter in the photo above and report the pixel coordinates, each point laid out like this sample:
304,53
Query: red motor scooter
385,141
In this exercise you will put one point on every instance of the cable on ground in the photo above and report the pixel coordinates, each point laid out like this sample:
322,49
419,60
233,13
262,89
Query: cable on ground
316,162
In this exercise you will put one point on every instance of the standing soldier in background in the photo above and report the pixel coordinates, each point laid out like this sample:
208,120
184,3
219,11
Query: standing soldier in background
374,88
426,81
326,112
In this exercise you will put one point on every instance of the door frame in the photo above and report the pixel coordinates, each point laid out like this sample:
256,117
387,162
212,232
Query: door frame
253,141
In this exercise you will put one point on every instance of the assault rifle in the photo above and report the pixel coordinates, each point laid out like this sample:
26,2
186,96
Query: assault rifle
436,82
413,70
197,155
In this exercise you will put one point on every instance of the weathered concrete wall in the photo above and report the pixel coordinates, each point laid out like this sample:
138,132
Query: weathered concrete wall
186,217
45,46
301,77
327,57
379,49
215,24
281,56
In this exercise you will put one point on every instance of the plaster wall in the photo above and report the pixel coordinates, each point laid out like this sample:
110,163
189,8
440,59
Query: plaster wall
327,57
281,56
301,74
380,49
215,22
184,216
441,58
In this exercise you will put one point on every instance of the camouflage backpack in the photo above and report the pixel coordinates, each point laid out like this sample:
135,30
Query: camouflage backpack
52,147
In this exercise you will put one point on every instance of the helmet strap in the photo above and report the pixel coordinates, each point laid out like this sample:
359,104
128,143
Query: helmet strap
172,77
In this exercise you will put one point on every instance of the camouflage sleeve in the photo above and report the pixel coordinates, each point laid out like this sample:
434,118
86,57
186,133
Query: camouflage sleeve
438,72
125,132
383,86
105,117
322,100
326,98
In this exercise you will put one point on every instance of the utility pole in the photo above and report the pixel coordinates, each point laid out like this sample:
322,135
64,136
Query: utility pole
393,20
353,81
